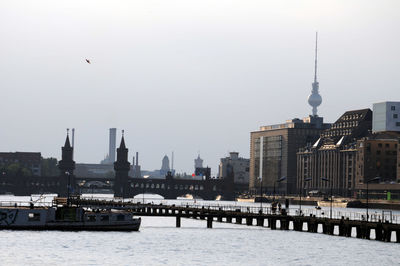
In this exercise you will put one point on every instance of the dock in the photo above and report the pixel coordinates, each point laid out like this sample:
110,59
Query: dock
384,226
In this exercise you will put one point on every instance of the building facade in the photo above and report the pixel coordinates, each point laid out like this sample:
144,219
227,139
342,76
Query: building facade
386,117
330,163
240,167
377,156
29,160
198,162
273,153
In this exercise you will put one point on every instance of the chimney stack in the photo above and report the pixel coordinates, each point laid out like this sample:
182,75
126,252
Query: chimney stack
112,145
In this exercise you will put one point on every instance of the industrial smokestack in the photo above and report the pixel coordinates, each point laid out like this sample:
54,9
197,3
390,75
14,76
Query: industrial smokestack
112,147
137,158
73,142
172,162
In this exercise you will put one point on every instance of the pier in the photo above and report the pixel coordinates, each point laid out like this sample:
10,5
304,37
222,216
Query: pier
342,224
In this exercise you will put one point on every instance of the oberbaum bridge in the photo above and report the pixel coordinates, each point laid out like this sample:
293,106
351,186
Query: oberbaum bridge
384,228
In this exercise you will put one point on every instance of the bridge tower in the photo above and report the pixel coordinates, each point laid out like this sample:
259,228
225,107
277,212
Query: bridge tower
67,166
121,167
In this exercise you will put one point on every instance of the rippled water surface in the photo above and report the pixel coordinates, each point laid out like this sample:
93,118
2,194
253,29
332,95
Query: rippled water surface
160,243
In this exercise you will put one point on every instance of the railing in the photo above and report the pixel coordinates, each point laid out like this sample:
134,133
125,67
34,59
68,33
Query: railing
385,216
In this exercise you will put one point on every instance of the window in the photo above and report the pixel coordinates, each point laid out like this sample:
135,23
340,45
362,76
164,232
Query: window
392,107
395,115
378,152
387,145
104,218
380,145
33,217
397,124
91,218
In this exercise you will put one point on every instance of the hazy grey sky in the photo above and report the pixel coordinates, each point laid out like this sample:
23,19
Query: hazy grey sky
185,76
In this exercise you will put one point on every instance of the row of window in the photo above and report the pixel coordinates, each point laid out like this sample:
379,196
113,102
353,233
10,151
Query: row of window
351,117
345,124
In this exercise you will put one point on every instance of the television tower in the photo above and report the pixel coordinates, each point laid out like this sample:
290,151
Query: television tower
315,98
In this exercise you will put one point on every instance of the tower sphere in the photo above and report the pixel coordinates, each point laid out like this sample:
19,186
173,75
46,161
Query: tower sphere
314,99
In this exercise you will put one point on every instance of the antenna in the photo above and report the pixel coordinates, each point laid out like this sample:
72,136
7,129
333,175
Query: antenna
316,50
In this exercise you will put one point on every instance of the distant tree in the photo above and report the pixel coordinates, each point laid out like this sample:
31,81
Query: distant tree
25,171
49,167
13,169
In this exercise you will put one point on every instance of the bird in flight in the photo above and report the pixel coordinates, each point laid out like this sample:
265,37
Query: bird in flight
88,61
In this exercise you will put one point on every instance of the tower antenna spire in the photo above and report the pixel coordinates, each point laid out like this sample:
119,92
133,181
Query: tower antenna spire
315,99
316,54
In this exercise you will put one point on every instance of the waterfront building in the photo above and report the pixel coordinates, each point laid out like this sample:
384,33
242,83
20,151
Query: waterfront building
277,145
378,156
240,167
386,117
29,160
329,163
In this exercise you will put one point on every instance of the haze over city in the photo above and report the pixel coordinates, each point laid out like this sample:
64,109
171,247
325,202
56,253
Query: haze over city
185,76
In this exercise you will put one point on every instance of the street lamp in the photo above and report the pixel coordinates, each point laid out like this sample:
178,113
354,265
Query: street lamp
368,181
327,179
278,181
144,186
261,195
301,190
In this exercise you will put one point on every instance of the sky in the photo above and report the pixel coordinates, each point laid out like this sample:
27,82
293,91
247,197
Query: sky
183,75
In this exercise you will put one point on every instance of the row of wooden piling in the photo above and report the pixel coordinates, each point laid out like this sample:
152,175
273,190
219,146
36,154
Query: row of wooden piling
383,230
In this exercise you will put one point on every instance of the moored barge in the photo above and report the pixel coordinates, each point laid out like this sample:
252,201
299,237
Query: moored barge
66,217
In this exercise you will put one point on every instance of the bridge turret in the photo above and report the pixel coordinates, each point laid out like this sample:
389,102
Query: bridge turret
67,166
121,167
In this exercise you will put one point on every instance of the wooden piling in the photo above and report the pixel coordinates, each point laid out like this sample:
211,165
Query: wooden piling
260,221
249,220
209,221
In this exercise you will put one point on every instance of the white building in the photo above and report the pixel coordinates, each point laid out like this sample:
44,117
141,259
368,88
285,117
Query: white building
198,162
386,116
240,167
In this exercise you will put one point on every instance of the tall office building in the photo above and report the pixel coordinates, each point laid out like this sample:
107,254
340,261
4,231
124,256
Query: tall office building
273,153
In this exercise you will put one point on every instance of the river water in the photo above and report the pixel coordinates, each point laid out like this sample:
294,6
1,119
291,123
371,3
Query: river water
159,242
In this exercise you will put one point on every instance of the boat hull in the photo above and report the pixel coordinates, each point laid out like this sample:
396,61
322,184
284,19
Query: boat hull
77,226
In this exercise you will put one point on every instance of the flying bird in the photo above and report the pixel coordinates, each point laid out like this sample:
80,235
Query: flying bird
88,61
